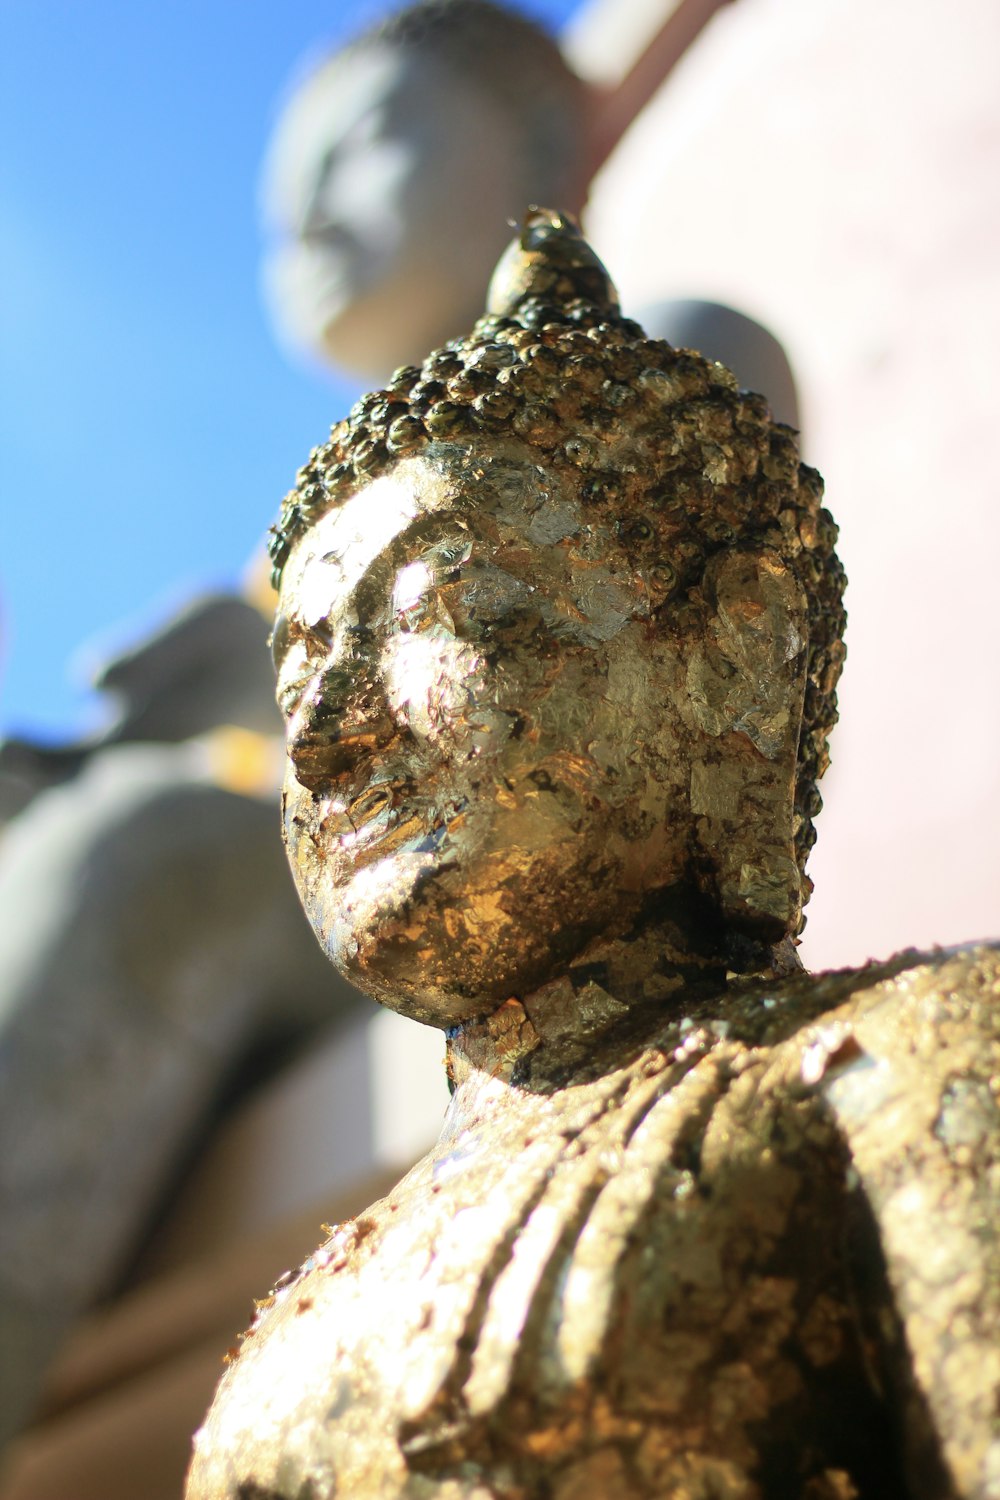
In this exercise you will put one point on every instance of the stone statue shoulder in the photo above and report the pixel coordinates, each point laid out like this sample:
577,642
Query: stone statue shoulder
623,1282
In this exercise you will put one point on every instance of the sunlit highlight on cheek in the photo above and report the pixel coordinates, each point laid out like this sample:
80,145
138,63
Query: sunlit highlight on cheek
430,679
411,585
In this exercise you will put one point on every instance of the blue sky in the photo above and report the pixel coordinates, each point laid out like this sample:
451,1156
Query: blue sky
148,424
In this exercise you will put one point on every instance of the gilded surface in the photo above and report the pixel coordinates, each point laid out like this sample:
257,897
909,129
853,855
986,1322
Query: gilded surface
558,644
750,1252
570,647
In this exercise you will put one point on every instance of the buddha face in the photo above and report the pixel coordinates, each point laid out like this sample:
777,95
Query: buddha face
388,188
483,768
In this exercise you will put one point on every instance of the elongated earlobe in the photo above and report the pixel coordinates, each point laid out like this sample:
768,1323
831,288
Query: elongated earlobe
746,686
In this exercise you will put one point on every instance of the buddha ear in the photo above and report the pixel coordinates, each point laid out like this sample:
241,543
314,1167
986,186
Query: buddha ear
746,686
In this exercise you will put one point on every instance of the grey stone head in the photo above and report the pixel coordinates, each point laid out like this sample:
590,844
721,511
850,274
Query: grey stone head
396,169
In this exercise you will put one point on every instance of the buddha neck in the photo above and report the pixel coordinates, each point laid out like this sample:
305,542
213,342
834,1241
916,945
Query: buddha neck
670,963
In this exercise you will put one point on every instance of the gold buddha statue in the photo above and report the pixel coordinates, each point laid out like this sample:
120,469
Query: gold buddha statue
559,634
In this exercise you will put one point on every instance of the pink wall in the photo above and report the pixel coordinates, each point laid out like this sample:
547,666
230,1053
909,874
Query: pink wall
834,169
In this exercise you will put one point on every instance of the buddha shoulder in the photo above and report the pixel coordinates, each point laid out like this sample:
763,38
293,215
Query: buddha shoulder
911,1069
629,1227
924,1027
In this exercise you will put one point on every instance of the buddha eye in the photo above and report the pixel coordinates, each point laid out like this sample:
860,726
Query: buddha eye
289,634
635,531
295,671
280,640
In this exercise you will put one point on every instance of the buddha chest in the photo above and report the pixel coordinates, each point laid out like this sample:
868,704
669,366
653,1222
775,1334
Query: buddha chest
623,1286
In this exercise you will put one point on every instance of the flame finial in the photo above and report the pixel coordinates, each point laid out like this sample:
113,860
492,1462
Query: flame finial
549,259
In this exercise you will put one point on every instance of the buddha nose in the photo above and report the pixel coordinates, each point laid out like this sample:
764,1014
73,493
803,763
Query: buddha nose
343,718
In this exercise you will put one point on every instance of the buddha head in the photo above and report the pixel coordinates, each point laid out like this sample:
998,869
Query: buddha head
396,169
558,639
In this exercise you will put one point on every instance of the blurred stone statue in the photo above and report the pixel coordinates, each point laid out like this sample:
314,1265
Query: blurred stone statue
399,163
395,168
153,960
558,640
202,668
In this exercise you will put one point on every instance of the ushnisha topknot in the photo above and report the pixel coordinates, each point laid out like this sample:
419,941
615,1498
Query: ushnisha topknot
660,438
